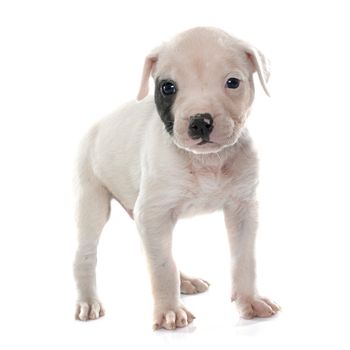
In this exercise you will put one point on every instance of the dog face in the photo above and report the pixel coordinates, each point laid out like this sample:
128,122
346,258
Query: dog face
204,87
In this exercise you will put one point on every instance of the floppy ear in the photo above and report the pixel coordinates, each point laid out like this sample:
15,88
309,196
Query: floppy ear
148,67
261,65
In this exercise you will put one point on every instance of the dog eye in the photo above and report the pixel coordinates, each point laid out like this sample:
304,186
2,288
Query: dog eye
168,88
233,83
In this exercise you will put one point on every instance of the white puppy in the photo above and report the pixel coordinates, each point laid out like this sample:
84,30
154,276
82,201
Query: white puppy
182,152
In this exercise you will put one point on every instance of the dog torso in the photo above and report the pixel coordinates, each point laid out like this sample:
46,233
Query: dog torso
129,151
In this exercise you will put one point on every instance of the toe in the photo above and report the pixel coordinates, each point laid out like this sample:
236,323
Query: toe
201,286
187,287
102,311
170,320
246,311
181,318
158,321
245,308
156,326
262,309
274,306
95,311
84,312
190,316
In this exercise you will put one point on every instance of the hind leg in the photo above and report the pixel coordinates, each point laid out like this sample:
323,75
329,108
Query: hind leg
93,209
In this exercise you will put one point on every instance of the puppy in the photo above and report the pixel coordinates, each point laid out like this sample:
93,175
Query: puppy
182,152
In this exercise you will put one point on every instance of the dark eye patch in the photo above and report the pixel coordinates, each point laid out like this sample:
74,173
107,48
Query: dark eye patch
164,98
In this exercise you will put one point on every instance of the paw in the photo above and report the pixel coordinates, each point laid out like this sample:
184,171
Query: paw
193,285
250,307
171,318
89,310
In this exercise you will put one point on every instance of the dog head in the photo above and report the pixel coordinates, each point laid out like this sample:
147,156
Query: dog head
204,87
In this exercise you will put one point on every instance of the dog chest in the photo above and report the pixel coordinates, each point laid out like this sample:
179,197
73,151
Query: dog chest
206,191
209,187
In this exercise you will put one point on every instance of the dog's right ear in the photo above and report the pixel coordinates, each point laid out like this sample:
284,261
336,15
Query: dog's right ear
148,69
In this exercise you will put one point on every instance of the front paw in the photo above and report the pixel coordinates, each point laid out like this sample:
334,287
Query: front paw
171,317
256,306
89,310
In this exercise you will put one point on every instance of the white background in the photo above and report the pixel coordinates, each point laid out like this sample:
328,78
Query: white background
65,64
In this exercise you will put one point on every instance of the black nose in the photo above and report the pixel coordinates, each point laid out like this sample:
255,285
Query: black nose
201,125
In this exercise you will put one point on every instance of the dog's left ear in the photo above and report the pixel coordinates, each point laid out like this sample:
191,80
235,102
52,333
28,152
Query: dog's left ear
261,65
148,68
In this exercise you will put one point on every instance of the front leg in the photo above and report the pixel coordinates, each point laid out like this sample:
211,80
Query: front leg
155,225
241,223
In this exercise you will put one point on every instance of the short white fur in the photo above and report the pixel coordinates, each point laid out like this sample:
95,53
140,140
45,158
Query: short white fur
159,178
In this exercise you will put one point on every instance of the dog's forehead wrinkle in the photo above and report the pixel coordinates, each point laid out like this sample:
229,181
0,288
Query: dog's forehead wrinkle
202,71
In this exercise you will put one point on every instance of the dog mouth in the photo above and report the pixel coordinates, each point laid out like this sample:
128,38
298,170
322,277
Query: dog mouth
205,145
203,142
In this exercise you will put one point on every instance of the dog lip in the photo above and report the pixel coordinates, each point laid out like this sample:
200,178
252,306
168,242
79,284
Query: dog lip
204,142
